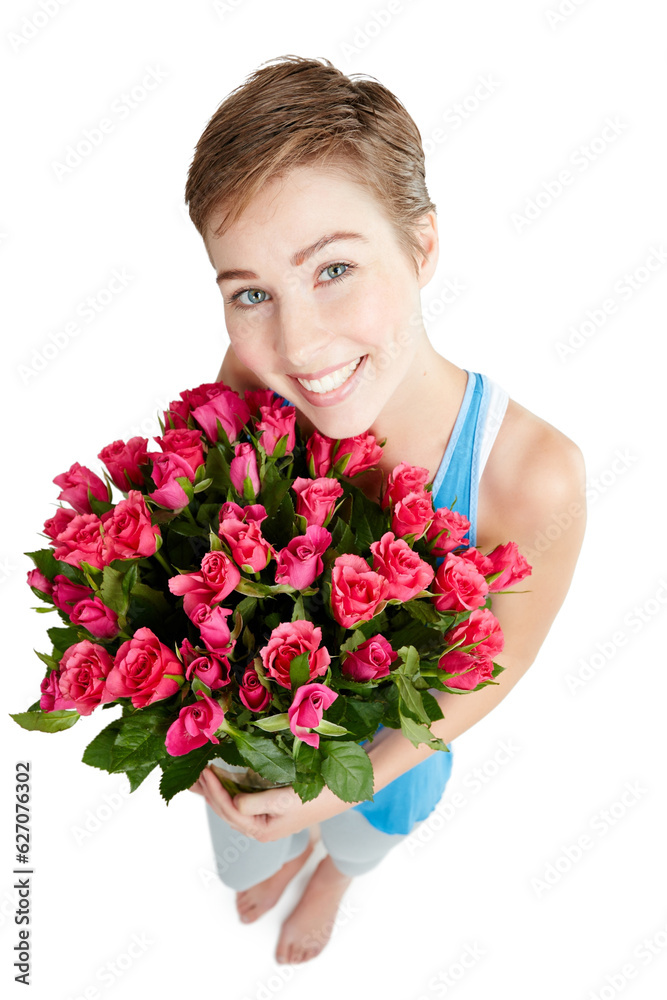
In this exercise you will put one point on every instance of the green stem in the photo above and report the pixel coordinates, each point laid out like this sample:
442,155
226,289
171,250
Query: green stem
163,562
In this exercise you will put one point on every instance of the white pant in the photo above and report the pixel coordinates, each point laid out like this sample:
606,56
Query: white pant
354,844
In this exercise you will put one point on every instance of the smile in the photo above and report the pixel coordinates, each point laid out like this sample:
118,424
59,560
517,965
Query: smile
331,381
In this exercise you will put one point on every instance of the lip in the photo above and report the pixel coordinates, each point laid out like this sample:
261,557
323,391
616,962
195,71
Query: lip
334,396
310,376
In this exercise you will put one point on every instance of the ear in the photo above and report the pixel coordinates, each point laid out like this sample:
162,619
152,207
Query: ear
427,234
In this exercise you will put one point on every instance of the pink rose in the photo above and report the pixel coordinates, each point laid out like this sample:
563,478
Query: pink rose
412,515
446,531
305,713
468,670
319,449
357,592
227,407
316,498
128,532
370,660
483,629
364,452
66,594
252,693
144,670
300,562
256,398
216,579
57,524
404,479
81,541
213,628
186,444
459,586
406,573
244,465
240,528
84,669
123,459
211,668
52,699
75,485
96,617
40,582
512,566
176,416
276,421
287,641
195,726
481,562
165,470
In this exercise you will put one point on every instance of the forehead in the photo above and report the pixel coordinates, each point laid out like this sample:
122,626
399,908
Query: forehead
293,210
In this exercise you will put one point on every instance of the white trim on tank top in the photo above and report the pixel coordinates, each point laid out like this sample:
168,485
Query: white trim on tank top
495,411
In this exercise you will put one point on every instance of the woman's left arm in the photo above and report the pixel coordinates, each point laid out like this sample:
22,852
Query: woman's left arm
552,477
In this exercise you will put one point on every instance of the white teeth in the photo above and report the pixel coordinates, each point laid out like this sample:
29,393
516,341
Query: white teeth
331,381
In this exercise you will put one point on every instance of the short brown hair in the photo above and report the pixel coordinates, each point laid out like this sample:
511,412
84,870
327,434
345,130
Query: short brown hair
294,111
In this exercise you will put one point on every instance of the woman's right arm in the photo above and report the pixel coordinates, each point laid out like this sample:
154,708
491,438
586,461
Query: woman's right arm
235,374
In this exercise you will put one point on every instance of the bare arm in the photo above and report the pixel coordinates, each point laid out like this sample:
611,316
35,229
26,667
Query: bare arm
549,486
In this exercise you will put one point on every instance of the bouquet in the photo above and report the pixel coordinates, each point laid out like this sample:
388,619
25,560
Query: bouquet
244,602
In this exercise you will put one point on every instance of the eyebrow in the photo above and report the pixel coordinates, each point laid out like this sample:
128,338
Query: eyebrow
297,258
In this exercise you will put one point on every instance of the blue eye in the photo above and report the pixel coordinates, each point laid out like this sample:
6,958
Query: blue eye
257,295
251,292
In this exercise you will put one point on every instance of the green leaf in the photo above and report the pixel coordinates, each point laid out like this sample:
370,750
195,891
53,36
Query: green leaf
423,611
63,638
418,734
111,592
299,670
202,485
49,660
137,775
327,728
273,723
46,722
265,756
347,770
432,706
134,748
309,787
180,773
98,751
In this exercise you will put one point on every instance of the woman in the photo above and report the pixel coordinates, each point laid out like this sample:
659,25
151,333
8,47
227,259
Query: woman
308,189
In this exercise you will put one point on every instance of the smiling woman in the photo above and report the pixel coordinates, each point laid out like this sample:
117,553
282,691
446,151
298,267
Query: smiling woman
308,189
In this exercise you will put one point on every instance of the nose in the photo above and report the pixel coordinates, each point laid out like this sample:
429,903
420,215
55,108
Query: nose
304,335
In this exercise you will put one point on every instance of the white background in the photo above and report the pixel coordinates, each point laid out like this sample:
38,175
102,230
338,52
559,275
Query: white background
474,886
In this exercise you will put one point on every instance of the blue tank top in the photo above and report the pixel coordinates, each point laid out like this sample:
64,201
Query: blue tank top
412,796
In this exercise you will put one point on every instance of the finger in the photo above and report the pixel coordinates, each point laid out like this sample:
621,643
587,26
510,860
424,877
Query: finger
223,804
273,801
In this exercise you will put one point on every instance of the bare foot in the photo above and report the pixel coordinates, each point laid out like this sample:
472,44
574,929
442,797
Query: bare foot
253,902
308,928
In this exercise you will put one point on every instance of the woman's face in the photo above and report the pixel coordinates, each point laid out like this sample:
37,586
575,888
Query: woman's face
342,314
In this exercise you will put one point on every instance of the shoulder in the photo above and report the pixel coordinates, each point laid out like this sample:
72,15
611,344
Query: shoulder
534,473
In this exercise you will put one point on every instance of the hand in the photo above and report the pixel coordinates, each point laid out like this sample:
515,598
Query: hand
267,815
